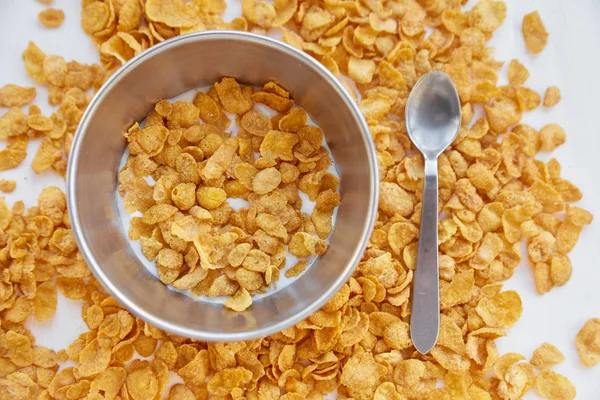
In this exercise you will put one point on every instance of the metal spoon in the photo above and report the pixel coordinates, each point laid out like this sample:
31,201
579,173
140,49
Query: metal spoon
433,117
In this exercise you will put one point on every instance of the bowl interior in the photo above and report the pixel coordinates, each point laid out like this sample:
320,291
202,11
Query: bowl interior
172,68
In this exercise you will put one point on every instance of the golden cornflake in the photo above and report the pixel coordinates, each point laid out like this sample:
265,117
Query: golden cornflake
231,96
361,375
534,32
172,13
16,96
20,351
130,16
517,73
49,152
142,383
487,15
546,356
296,270
260,13
266,181
361,70
588,342
34,58
552,96
55,70
180,392
552,136
240,301
7,186
502,310
551,385
95,16
527,98
14,153
44,302
40,123
51,17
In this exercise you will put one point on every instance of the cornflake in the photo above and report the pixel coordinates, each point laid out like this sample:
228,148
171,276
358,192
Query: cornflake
51,17
551,385
588,342
16,96
534,32
546,356
7,186
552,96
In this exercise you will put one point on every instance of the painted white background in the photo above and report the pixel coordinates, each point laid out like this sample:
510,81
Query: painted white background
570,61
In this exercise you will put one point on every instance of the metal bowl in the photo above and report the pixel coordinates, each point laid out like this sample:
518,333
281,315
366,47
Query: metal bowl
169,69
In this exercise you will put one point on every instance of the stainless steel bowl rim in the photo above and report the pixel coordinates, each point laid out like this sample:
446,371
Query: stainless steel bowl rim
97,269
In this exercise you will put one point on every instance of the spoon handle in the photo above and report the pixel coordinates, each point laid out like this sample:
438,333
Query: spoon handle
425,318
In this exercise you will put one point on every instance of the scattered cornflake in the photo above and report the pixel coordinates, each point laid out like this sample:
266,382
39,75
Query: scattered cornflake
68,86
546,356
517,73
552,96
16,96
51,17
552,136
15,152
534,32
7,186
515,377
588,342
553,386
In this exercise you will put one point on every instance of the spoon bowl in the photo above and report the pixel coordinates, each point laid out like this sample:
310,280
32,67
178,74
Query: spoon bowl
433,114
433,118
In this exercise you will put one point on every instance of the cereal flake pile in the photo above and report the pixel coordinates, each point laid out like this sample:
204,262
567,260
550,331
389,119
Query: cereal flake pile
494,192
200,243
